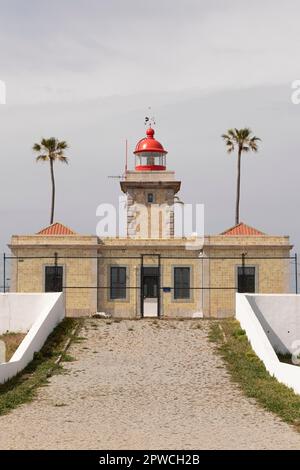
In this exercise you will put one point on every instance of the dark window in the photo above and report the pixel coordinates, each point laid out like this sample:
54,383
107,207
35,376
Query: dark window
117,282
246,279
150,198
181,283
53,279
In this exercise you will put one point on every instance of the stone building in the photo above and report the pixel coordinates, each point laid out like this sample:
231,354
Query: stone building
150,271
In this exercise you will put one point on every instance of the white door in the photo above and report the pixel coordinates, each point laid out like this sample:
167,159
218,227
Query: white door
150,307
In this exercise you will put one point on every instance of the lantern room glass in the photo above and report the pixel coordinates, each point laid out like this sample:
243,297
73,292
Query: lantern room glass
150,159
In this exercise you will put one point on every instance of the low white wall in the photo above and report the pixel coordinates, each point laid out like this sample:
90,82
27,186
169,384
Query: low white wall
18,312
44,312
285,373
279,316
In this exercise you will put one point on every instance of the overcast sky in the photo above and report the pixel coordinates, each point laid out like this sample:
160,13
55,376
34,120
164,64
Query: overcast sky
87,71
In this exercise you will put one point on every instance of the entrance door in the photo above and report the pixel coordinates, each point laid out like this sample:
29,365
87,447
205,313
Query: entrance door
150,291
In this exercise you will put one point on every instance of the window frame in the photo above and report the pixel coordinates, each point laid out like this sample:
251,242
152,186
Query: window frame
255,278
120,286
59,266
175,289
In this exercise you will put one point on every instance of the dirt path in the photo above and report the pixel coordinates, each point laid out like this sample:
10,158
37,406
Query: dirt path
141,385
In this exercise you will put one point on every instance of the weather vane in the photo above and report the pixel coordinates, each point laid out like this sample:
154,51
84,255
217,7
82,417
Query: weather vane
149,121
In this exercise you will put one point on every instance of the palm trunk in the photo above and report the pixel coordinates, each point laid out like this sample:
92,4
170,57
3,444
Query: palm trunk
53,191
238,188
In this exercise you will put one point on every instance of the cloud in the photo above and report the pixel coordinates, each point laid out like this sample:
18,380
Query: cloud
87,71
104,48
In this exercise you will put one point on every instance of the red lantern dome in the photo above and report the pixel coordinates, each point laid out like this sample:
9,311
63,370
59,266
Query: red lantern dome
150,154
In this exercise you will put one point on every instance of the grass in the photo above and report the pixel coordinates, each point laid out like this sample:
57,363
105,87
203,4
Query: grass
249,372
12,342
22,388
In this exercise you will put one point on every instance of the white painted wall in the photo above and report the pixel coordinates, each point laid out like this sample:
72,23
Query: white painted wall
245,313
18,312
279,316
38,313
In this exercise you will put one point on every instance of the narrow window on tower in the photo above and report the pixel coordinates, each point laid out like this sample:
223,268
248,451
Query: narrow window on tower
150,198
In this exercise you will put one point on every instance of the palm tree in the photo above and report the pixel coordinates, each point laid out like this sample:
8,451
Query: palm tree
51,150
244,141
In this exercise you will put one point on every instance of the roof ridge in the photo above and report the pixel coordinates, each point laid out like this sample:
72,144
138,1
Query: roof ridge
62,229
245,230
232,227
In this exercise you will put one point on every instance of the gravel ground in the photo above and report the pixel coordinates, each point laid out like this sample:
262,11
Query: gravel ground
144,385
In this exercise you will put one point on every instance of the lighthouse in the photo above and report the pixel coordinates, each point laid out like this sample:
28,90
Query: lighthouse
150,190
151,272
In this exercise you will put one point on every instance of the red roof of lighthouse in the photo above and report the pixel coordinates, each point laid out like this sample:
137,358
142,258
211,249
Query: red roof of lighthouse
149,144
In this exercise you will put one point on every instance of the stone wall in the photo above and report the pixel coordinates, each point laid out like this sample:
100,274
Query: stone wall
264,253
87,279
80,270
131,306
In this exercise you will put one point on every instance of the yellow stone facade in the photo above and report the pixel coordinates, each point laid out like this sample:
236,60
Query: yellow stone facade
86,262
269,255
77,255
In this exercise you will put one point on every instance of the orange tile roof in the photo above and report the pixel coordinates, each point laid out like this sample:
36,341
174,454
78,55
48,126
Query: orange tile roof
56,229
242,229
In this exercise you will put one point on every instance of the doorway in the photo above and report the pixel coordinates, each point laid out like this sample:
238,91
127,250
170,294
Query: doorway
150,291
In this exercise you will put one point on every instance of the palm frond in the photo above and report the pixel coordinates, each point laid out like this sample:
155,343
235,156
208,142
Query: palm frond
63,159
36,147
62,145
42,158
51,149
241,138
